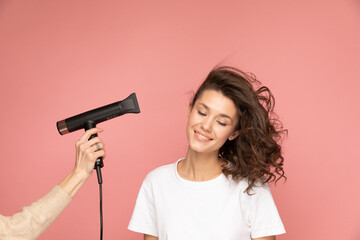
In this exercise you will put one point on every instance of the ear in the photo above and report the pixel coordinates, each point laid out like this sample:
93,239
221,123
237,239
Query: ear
234,135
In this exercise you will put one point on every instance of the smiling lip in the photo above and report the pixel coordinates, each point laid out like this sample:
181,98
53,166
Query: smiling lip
201,137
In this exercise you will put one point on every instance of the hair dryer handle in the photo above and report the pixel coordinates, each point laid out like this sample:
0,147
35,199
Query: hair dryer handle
99,162
88,125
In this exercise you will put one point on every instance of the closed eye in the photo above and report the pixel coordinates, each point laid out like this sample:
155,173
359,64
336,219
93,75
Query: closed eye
221,123
201,113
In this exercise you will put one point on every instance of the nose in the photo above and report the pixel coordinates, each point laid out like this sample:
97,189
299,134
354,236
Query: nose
206,124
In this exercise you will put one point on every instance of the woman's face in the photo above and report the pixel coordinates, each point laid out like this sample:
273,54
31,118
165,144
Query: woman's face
211,122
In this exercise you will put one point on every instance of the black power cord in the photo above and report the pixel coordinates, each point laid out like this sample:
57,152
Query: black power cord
98,171
101,212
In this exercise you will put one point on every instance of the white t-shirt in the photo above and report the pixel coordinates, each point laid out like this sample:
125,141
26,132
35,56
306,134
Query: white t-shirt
172,208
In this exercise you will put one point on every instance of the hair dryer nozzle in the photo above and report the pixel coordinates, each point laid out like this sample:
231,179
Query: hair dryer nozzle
130,104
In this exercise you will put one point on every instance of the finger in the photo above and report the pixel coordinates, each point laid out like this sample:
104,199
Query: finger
90,146
89,143
100,153
94,141
97,147
93,156
90,132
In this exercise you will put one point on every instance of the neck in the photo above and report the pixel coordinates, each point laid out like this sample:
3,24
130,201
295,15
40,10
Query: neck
200,166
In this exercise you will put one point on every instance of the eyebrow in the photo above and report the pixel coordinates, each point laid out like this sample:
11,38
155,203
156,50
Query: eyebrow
221,114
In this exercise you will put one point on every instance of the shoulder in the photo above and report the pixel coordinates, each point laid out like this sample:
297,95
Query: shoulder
259,190
259,197
161,173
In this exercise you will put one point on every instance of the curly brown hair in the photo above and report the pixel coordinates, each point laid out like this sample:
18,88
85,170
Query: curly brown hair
255,155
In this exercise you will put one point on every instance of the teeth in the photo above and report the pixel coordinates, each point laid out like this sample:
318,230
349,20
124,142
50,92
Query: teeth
202,137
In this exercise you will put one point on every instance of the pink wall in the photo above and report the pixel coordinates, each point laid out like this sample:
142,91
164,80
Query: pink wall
58,58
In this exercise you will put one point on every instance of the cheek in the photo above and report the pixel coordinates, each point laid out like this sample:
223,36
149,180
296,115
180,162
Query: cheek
191,122
223,134
193,119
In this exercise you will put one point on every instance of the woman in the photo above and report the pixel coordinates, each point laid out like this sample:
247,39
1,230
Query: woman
220,189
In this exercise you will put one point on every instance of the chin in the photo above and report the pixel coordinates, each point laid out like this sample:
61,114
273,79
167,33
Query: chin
201,149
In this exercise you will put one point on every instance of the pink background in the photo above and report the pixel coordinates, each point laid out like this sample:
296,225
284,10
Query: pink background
60,58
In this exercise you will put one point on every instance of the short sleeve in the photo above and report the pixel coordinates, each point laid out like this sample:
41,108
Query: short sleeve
143,219
260,211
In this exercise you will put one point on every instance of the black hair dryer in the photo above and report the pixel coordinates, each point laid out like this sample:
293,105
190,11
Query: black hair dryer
89,119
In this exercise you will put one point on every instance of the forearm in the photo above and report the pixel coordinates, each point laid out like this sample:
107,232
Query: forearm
265,238
149,237
73,182
32,220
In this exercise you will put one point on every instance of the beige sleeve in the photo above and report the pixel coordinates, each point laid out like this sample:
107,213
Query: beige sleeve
33,220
